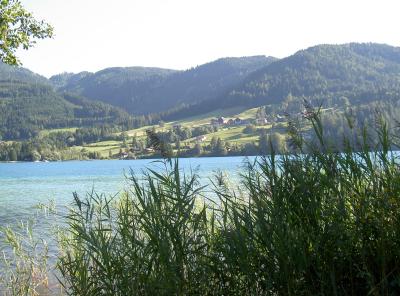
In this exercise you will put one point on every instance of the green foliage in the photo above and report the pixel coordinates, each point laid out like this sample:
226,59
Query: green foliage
55,146
264,143
18,29
198,149
128,253
321,223
28,104
250,129
25,268
217,147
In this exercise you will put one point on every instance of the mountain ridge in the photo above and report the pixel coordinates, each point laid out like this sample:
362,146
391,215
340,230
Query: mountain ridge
321,72
162,88
352,73
29,103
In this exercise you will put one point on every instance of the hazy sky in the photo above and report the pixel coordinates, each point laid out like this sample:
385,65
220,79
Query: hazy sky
95,34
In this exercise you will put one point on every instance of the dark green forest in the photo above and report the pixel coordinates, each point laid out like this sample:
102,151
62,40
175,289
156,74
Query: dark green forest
29,104
329,74
151,90
27,108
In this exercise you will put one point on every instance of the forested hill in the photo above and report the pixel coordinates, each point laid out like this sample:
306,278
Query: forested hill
10,73
122,87
150,90
28,104
336,75
351,73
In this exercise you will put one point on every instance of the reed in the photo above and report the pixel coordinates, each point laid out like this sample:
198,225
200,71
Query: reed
313,222
310,222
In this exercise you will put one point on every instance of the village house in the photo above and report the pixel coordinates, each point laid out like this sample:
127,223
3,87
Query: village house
261,121
230,122
123,155
221,120
218,121
238,121
149,150
201,138
306,113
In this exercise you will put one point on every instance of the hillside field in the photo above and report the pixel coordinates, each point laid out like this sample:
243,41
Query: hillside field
230,134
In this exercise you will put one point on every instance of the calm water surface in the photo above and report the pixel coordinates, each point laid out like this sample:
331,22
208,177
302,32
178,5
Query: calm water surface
24,185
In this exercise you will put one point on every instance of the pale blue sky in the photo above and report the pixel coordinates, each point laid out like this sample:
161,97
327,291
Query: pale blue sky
95,34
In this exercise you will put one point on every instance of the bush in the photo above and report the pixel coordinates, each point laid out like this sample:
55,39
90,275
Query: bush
152,241
250,129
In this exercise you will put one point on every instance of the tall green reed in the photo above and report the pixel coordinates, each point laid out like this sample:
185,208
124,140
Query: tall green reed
314,221
26,265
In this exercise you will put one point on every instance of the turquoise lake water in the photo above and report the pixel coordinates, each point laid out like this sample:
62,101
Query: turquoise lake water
23,185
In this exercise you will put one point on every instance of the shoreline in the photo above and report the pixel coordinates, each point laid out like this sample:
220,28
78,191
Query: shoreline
150,158
142,158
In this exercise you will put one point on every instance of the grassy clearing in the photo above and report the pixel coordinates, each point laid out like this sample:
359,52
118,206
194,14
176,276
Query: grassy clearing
104,144
206,118
103,147
47,132
248,114
232,134
103,150
198,120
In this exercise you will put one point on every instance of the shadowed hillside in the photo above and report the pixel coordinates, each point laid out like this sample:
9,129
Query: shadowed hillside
149,90
353,73
28,103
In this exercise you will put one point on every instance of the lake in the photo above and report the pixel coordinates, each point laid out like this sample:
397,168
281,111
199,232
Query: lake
24,185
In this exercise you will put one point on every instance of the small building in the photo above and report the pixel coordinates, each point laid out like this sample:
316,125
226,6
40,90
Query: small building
238,121
230,122
307,114
261,121
123,155
218,121
221,120
149,150
201,138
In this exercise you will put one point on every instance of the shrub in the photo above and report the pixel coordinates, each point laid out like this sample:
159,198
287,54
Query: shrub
250,129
